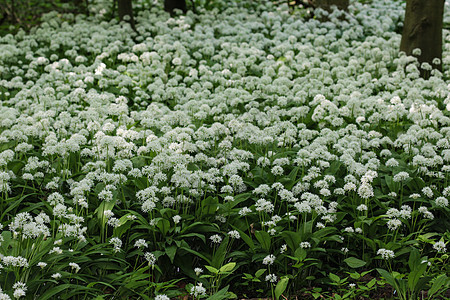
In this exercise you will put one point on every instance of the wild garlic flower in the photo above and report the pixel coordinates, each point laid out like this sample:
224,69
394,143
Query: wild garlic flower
272,278
117,244
216,239
234,234
198,271
269,259
198,290
75,266
386,254
440,247
150,257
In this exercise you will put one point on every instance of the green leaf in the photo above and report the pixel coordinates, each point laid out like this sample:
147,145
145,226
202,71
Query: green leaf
212,269
264,239
334,278
388,277
197,254
354,262
300,253
171,251
221,253
415,276
248,240
104,206
163,226
281,287
260,272
414,259
228,267
437,284
222,294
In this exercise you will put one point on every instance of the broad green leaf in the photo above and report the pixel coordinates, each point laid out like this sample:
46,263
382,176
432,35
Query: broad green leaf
228,267
354,262
281,287
171,251
334,277
248,240
212,269
220,295
414,259
260,272
264,239
388,277
291,238
163,225
437,284
300,253
221,253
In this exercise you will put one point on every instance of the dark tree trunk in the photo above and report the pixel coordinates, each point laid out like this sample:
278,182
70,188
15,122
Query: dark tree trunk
125,8
327,4
170,5
423,29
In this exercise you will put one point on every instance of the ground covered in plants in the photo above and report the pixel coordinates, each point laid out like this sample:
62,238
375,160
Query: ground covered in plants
246,150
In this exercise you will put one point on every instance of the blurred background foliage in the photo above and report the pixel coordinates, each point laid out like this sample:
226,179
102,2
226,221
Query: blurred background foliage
24,14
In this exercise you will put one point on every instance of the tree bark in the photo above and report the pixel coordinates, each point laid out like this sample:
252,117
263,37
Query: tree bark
125,8
170,5
327,4
423,29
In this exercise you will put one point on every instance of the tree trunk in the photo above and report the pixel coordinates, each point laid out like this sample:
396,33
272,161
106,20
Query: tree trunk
327,4
125,8
423,30
170,5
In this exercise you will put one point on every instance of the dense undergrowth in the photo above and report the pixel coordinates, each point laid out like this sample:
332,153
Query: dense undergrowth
242,150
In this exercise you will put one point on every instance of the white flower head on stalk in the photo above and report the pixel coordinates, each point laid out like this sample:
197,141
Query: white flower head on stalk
386,254
198,271
176,219
272,278
440,247
150,257
216,239
234,234
198,290
269,259
117,244
305,245
75,266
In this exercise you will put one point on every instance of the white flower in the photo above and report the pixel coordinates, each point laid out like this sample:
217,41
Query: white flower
441,202
198,290
393,224
386,254
56,276
401,176
140,243
117,243
41,264
283,248
244,211
305,245
74,266
272,278
216,239
440,247
198,271
176,219
234,234
162,297
150,257
269,259
362,207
